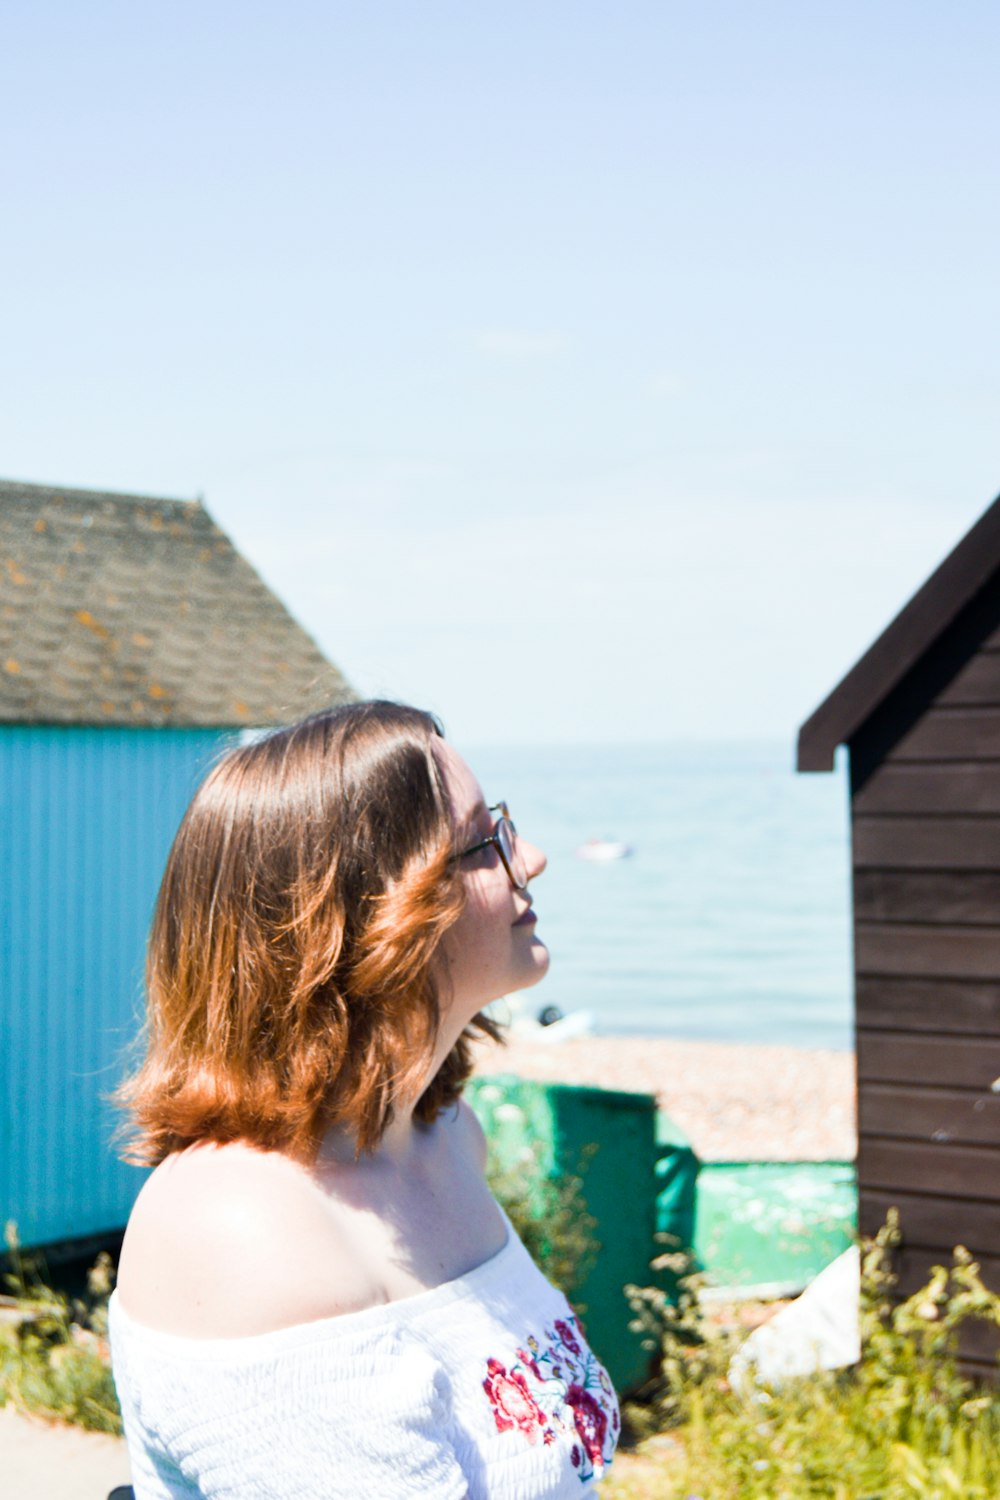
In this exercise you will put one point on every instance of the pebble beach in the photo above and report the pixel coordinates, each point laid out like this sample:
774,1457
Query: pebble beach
735,1102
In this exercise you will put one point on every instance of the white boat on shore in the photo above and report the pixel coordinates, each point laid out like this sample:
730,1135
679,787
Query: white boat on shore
517,1015
576,1023
604,849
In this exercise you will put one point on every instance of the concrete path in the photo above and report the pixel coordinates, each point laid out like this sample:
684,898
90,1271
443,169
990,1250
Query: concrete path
39,1461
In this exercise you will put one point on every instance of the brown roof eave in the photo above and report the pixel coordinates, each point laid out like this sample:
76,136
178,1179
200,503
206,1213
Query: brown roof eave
901,645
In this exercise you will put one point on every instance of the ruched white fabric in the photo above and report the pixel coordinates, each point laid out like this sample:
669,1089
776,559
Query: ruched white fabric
483,1388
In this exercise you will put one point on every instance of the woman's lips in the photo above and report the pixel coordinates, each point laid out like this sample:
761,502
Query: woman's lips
526,916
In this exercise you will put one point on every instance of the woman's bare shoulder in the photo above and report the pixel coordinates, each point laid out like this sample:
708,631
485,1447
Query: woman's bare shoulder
471,1131
229,1241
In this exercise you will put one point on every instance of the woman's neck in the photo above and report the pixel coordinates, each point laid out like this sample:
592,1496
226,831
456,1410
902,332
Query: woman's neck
402,1138
404,1135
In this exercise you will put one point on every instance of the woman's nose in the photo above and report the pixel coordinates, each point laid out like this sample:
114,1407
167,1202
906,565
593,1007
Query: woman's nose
534,859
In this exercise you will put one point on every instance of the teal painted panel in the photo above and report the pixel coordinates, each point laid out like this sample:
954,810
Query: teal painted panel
774,1224
87,816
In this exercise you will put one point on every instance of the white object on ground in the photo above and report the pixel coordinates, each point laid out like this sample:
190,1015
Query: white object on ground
577,1023
523,1024
818,1331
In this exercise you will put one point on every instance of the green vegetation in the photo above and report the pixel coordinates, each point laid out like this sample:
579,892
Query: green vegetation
551,1217
902,1425
54,1358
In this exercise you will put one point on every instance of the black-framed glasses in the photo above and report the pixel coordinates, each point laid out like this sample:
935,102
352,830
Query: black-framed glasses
504,840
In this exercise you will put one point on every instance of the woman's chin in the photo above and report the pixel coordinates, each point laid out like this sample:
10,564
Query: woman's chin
539,960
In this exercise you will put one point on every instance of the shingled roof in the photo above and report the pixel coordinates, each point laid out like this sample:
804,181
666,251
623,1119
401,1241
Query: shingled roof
122,609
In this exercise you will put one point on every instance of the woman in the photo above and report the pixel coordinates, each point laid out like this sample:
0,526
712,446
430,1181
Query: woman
318,1296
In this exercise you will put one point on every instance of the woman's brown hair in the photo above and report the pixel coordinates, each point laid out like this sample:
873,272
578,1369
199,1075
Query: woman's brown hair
289,972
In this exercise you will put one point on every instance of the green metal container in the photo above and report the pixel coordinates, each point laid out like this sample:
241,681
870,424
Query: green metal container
607,1139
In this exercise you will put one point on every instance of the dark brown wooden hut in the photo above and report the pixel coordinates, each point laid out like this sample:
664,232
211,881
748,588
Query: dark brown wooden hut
920,715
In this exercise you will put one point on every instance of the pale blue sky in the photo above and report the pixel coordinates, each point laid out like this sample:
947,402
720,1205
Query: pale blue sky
578,371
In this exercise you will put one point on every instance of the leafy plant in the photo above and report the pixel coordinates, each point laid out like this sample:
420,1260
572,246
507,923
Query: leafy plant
551,1216
903,1424
54,1357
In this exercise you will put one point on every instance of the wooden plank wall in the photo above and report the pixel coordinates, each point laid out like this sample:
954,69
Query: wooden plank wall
926,858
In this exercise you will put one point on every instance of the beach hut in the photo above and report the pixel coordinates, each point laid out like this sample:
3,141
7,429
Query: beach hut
135,642
920,716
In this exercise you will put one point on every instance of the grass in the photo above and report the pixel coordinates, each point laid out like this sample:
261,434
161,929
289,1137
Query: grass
54,1356
901,1425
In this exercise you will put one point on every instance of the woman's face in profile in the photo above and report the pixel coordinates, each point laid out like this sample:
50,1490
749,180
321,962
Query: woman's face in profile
493,949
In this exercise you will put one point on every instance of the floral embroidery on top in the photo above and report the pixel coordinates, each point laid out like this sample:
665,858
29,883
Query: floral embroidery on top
558,1391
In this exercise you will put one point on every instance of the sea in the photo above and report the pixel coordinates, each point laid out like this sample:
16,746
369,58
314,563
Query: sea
730,918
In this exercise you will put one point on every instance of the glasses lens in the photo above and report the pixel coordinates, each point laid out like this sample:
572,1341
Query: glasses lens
512,853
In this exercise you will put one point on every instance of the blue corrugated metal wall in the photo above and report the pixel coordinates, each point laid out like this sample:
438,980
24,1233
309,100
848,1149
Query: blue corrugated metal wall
86,819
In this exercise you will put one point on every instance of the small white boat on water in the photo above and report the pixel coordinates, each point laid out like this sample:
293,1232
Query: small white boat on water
603,849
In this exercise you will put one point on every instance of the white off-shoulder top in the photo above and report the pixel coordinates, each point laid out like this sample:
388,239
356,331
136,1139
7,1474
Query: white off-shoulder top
482,1388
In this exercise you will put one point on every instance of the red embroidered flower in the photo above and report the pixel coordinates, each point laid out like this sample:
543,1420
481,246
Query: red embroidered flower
513,1403
530,1362
566,1334
591,1422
